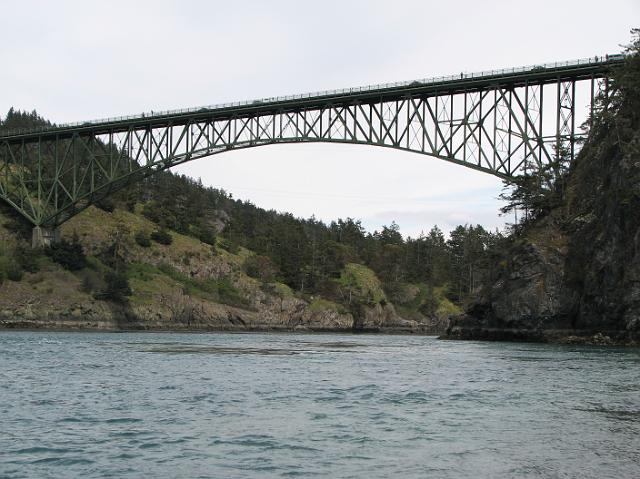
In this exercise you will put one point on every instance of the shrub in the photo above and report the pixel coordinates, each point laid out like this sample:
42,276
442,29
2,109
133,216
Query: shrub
69,254
228,294
207,235
14,271
231,246
142,239
162,237
91,281
117,287
27,258
260,267
106,204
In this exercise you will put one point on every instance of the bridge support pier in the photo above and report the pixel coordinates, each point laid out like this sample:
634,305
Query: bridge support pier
42,237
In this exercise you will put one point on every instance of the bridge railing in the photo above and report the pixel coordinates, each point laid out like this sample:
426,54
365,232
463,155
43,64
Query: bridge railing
596,60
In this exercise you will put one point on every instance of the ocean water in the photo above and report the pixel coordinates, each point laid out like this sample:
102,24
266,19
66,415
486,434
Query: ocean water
134,405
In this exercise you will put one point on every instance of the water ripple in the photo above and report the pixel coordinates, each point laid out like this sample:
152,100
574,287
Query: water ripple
289,405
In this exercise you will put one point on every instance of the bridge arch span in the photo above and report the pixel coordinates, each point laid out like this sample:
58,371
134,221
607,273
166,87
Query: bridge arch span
495,122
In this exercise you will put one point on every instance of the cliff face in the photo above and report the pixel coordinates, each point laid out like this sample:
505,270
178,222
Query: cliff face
575,274
603,266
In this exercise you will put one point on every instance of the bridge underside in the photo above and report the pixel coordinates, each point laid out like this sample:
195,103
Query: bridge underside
499,128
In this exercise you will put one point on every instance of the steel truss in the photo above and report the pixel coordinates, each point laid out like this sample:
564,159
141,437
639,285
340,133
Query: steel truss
498,128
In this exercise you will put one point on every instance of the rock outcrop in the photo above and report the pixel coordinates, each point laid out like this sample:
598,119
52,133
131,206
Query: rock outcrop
575,274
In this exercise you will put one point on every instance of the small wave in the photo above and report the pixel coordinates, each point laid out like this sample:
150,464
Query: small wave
122,420
148,445
43,450
262,441
125,455
193,349
77,419
413,397
620,414
62,461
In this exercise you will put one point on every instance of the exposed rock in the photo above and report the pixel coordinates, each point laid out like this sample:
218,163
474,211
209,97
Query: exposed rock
575,275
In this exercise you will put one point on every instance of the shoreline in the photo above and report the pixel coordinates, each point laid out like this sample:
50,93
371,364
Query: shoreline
95,328
602,338
593,337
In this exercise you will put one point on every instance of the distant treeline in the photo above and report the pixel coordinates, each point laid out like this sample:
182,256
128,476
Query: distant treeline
307,254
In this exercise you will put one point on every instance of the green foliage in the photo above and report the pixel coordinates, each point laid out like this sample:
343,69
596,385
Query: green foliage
206,234
319,305
106,204
539,189
69,254
11,270
142,239
15,222
27,258
361,283
116,288
17,119
230,245
162,236
220,291
260,267
92,281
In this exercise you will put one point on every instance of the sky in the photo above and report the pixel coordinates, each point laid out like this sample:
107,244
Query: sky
81,60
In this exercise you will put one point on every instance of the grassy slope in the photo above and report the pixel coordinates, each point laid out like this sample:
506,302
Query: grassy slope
159,275
156,274
362,282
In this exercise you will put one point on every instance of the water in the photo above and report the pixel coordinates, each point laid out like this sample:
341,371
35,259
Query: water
285,405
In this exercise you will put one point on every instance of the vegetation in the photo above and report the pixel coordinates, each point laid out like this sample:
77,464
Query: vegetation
161,236
68,254
142,239
116,289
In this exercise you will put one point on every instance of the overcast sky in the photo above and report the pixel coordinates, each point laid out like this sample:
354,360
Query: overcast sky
79,60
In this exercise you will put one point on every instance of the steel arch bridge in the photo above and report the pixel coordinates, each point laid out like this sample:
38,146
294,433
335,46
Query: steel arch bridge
495,121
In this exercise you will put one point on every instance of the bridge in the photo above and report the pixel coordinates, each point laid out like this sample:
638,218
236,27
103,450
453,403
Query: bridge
496,122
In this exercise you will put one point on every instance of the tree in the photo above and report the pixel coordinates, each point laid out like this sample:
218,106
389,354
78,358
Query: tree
142,239
539,188
260,267
117,287
69,254
162,236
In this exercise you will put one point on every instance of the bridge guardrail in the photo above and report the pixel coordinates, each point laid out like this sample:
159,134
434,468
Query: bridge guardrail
596,60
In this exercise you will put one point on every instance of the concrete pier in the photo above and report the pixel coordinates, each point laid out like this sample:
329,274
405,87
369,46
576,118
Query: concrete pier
42,237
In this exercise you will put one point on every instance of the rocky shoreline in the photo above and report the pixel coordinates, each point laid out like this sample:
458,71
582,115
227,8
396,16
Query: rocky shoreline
292,315
453,333
553,336
115,327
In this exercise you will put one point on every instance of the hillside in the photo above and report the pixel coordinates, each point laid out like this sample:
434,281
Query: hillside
169,253
185,285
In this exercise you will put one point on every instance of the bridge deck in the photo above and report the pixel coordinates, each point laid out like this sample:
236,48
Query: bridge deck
514,77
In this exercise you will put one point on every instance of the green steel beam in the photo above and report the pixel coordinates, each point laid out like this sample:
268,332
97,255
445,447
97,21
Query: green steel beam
490,122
